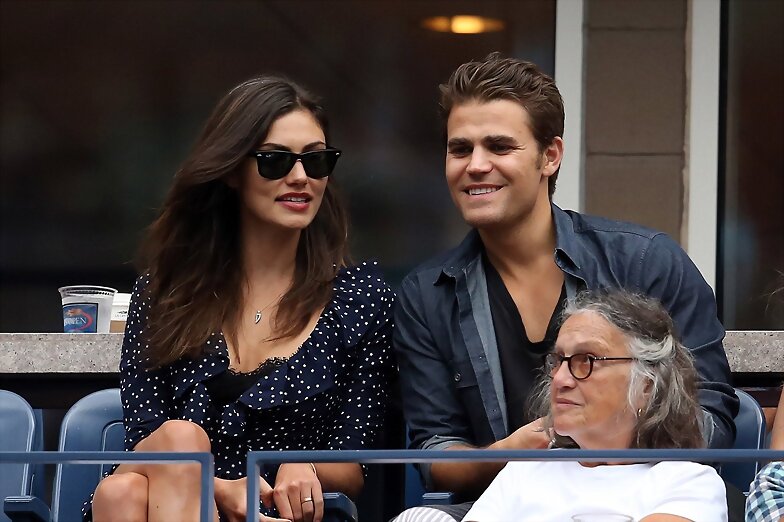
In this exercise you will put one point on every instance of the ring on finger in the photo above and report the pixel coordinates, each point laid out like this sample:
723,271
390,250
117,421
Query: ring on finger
307,499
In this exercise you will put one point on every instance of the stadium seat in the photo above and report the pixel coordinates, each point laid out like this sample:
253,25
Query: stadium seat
20,430
750,434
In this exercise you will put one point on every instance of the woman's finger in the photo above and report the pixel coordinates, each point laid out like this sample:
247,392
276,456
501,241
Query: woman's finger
318,501
307,501
295,498
266,492
283,503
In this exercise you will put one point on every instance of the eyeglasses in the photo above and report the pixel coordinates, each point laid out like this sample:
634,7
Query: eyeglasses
580,364
276,164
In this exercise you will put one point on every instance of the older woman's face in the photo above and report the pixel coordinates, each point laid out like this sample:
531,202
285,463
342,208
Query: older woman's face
595,411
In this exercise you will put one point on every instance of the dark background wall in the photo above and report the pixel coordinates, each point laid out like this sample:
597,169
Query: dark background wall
100,102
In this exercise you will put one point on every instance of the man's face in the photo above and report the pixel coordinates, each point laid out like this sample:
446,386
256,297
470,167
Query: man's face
495,171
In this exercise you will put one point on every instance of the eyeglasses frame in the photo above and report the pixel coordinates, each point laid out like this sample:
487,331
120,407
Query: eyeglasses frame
568,358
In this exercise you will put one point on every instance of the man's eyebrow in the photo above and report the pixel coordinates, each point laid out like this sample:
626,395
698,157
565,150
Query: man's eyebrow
456,142
499,139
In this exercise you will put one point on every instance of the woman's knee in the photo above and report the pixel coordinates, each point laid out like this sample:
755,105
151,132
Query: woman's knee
121,497
177,435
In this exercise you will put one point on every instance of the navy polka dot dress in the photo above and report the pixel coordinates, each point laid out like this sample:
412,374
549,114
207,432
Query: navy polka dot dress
329,395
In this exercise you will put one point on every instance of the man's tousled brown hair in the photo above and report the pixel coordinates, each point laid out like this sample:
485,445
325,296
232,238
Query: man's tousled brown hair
498,78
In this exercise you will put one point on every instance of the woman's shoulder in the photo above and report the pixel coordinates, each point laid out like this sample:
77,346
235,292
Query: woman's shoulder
362,283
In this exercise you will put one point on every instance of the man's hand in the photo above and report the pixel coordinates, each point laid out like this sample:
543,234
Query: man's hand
530,436
297,493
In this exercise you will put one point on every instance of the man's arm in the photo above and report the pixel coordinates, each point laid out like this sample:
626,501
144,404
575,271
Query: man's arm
472,478
435,416
668,274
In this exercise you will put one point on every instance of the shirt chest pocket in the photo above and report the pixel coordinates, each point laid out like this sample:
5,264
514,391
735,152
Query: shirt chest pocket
463,375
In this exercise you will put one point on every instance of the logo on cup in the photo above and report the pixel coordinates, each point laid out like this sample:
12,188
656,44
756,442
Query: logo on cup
80,318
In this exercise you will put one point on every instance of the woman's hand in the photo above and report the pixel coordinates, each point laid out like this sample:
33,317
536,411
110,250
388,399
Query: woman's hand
298,493
230,496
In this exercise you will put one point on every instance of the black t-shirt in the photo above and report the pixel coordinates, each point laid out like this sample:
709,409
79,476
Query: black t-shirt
521,359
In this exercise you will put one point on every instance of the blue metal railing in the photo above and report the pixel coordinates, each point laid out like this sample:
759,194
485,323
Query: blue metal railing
205,460
419,456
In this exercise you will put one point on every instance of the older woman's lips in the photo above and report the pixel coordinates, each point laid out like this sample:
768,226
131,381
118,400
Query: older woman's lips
564,403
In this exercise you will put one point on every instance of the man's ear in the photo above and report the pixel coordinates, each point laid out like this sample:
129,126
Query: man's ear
552,156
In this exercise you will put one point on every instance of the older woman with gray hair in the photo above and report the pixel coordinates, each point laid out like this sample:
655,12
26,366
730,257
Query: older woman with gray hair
618,378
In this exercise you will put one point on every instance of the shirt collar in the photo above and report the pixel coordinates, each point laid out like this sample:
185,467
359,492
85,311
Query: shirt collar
566,247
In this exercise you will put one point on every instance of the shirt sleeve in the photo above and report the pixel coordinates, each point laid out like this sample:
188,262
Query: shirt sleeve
694,491
434,413
501,500
366,393
765,502
669,275
145,393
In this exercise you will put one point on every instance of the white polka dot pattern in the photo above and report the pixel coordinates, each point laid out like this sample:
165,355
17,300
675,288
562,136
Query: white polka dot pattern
331,394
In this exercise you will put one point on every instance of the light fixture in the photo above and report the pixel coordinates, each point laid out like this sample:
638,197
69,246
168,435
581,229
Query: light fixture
463,24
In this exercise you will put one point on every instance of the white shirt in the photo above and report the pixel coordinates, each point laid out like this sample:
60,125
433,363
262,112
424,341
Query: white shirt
557,490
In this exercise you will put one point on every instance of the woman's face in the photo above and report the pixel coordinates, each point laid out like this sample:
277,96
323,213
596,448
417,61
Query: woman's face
594,411
292,201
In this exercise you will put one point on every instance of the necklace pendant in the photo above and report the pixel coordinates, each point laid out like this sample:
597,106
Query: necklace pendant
258,316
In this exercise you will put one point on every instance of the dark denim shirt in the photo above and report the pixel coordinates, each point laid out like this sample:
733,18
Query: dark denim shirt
450,370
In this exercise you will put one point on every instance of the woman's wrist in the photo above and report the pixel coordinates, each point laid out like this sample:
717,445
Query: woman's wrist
313,467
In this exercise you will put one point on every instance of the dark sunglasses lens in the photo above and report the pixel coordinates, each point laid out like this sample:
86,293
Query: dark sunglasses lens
320,163
275,164
580,365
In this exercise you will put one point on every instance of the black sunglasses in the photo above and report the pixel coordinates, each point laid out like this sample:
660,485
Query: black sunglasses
276,164
580,364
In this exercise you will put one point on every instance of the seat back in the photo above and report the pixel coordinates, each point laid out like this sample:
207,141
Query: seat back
750,434
92,424
20,430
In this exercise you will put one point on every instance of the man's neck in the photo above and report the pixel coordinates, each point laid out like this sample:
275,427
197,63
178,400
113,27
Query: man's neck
522,246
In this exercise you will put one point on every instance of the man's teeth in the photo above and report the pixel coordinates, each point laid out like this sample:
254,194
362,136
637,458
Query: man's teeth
483,190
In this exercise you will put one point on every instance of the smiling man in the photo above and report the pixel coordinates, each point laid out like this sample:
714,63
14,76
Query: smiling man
473,326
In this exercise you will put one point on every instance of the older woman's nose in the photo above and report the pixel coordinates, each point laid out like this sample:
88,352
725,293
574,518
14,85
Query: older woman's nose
562,377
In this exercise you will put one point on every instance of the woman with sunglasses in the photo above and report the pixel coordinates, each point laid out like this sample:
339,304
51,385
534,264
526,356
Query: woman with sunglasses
249,329
618,378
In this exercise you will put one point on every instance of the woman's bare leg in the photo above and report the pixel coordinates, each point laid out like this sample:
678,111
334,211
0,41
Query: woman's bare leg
121,498
173,490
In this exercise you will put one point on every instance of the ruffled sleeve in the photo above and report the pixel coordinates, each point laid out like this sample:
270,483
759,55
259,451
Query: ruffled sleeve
364,302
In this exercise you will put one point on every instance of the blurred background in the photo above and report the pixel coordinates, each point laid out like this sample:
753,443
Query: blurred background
101,101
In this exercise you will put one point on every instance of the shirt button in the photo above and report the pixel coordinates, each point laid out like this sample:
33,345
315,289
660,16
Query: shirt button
458,377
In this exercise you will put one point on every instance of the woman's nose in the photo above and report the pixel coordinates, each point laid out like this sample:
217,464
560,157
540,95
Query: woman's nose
297,174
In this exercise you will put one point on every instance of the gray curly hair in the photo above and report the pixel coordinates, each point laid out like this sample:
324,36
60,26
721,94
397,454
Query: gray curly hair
662,368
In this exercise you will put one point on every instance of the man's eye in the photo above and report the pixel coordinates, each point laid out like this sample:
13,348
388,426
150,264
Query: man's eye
460,151
500,148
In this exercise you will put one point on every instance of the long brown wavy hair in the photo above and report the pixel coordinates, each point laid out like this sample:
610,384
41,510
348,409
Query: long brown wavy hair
192,250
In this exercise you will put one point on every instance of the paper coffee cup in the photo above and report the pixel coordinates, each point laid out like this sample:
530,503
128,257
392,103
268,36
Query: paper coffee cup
119,312
87,309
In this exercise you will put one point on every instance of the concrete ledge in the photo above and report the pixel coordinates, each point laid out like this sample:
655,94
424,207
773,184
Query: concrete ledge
31,353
